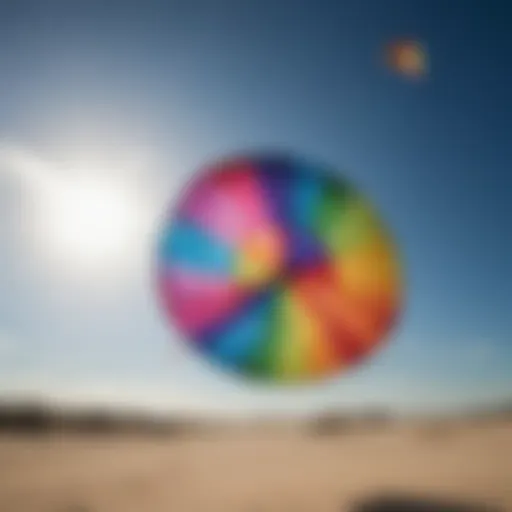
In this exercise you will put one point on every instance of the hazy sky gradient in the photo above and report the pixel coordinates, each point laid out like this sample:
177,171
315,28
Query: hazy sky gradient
156,91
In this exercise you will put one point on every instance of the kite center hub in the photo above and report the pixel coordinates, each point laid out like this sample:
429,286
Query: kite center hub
304,253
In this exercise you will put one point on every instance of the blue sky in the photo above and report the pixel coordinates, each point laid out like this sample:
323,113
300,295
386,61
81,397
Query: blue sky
157,90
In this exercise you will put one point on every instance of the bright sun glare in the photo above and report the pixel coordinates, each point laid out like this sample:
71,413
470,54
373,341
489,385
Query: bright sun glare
90,222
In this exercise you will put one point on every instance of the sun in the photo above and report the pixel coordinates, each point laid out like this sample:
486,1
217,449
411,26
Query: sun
89,222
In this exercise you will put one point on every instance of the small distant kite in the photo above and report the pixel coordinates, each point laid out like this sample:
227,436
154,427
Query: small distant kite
408,58
277,269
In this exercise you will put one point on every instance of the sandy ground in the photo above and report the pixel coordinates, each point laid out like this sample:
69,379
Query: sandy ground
253,472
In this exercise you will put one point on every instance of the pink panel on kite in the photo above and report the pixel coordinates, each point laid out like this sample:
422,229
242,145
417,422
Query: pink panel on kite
198,301
231,205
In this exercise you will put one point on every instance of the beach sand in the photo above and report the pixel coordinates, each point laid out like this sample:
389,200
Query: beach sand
254,471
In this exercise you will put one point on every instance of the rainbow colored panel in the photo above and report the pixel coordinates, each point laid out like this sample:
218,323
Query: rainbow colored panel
278,270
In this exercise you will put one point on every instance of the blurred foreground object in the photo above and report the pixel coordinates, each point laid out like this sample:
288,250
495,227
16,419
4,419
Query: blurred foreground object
408,58
278,269
416,504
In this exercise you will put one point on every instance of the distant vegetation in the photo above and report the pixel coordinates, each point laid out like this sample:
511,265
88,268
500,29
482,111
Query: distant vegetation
37,418
331,423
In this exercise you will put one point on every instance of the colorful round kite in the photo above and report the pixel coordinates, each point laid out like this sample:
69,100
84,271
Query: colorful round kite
408,58
276,269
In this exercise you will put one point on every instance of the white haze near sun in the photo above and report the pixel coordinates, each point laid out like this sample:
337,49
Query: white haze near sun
87,223
90,221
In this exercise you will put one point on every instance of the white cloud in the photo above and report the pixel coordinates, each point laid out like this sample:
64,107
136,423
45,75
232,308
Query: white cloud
21,164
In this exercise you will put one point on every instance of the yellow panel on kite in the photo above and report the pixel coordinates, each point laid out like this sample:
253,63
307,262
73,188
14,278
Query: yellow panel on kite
260,258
